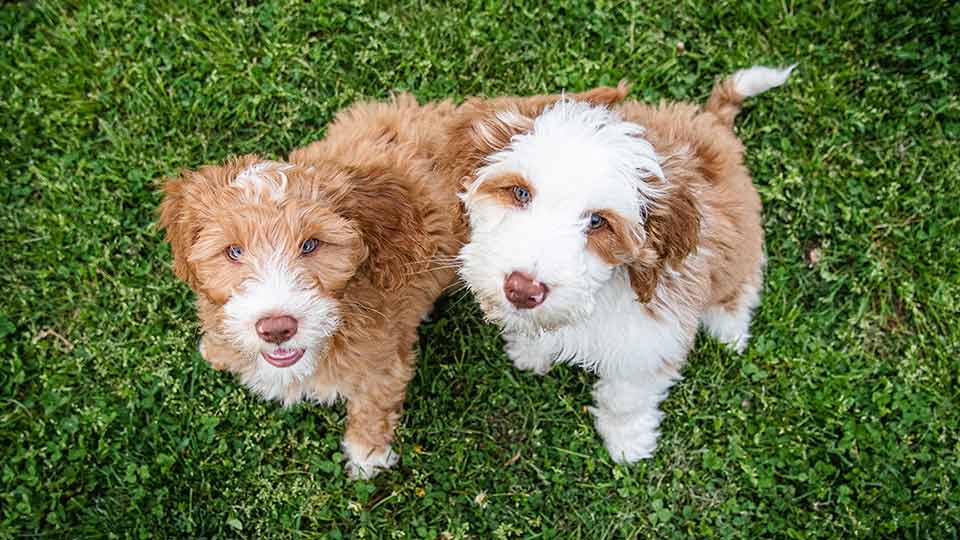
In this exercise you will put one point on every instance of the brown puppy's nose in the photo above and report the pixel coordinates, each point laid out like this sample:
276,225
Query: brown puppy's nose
523,291
277,329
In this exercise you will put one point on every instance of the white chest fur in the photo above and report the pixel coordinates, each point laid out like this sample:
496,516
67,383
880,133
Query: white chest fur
622,337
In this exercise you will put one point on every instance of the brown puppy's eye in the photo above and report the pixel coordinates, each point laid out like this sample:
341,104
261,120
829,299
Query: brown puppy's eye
521,195
597,222
234,252
309,246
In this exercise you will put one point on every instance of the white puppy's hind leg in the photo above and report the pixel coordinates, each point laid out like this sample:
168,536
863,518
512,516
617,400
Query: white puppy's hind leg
529,354
627,412
731,324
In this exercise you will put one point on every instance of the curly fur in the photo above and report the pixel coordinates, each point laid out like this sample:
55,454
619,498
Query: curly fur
679,241
389,230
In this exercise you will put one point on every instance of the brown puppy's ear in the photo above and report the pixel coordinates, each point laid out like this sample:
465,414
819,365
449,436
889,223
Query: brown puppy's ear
181,232
184,201
390,226
672,229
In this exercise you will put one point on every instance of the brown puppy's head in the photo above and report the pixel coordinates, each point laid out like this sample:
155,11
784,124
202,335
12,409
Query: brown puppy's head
270,248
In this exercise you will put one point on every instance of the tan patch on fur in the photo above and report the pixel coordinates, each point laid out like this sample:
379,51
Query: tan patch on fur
500,188
711,205
618,241
724,102
672,230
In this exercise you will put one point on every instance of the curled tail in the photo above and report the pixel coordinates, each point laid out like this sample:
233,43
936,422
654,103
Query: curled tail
728,95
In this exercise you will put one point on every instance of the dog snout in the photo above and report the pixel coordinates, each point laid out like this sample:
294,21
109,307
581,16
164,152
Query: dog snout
523,291
277,329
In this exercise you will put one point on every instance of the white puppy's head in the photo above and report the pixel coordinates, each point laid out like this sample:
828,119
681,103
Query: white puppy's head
557,204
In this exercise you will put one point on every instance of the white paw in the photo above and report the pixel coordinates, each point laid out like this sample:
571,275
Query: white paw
629,437
365,462
738,343
528,357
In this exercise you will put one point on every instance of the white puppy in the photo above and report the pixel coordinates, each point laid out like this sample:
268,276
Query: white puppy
603,238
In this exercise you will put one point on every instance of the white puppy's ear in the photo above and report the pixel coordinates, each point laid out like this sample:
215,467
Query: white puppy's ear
672,230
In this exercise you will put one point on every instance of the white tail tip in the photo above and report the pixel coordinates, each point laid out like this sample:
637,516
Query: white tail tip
758,79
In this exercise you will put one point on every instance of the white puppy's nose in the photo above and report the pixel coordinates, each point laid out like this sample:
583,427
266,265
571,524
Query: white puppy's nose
523,291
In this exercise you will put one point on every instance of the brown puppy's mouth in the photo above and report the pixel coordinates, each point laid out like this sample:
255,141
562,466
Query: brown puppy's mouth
281,357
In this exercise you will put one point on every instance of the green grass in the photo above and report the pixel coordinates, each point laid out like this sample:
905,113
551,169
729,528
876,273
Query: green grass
840,421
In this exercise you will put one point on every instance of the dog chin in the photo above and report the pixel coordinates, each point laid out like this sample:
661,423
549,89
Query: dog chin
273,373
529,322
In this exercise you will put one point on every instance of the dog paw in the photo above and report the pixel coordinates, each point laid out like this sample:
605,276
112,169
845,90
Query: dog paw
738,343
628,437
364,462
527,359
214,354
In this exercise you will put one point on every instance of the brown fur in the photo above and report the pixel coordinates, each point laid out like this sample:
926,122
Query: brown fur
708,200
501,187
704,158
389,227
369,193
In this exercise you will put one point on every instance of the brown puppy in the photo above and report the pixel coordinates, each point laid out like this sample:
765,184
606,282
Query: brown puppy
313,274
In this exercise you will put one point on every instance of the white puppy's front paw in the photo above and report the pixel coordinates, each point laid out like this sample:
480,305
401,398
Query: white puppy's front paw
738,343
528,357
364,462
628,437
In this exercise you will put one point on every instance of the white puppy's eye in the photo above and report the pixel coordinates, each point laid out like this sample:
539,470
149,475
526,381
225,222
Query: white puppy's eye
309,246
234,252
597,222
521,195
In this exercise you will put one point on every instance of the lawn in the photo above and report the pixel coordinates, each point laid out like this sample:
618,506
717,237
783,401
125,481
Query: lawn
840,421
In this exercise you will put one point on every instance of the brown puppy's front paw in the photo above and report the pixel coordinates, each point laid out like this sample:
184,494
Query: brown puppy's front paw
214,353
364,462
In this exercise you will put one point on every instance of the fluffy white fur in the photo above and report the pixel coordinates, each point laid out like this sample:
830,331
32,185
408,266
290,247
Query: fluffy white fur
578,159
758,79
263,178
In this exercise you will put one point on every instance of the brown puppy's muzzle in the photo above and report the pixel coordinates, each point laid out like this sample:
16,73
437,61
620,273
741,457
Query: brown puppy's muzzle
276,329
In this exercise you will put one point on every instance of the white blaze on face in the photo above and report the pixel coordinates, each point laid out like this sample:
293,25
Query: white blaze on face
577,158
265,178
274,291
